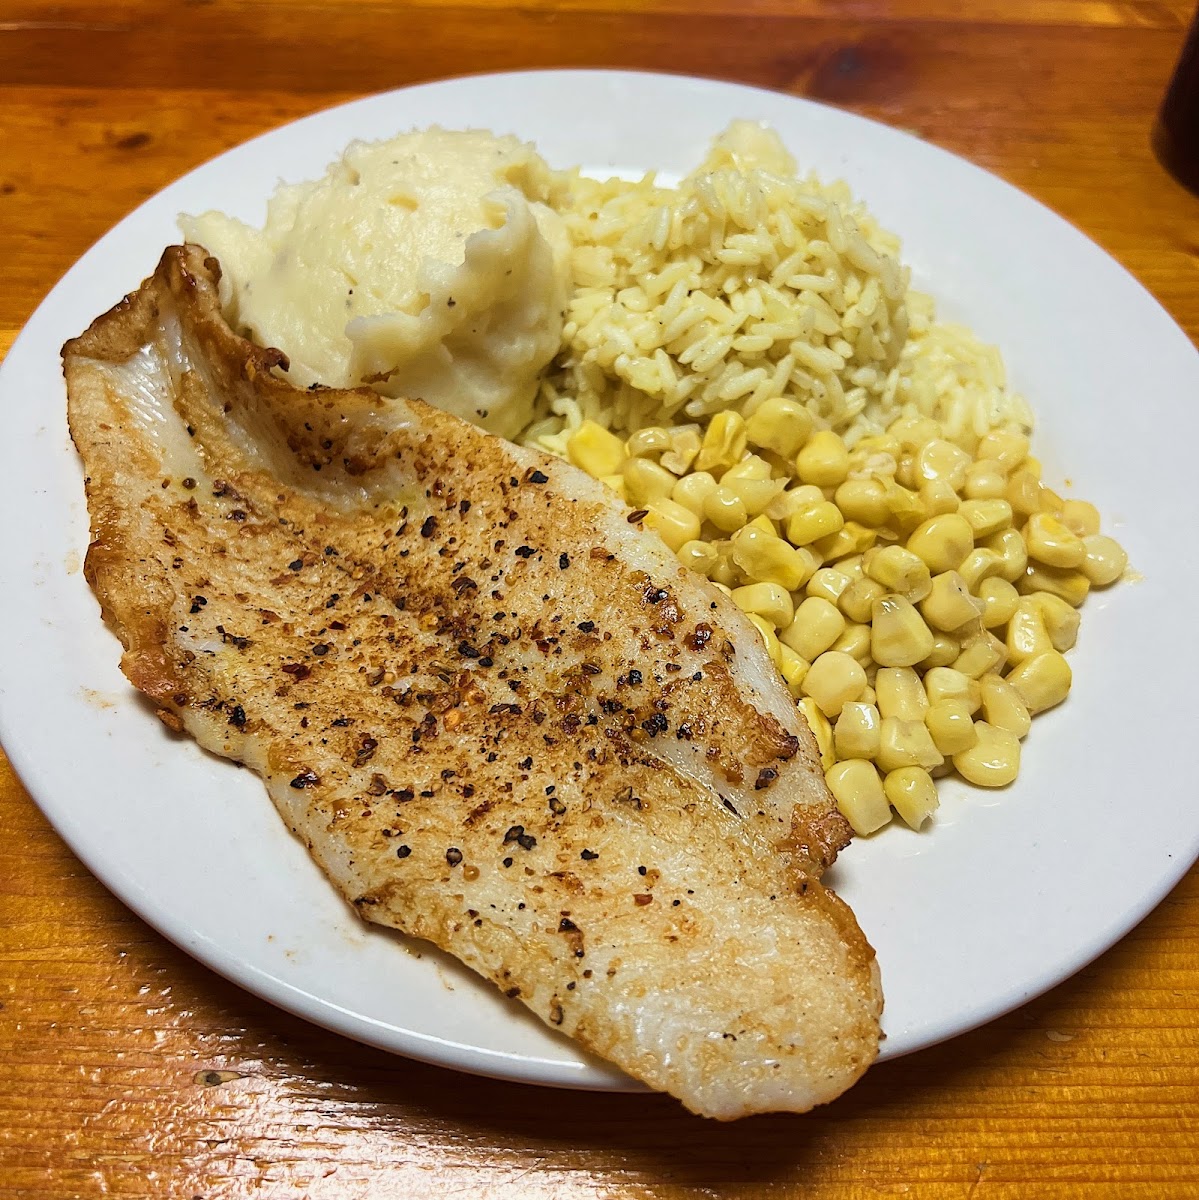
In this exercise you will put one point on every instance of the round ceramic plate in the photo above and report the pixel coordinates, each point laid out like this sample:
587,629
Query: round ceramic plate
1006,894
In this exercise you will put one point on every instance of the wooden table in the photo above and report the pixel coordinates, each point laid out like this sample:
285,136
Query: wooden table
128,1070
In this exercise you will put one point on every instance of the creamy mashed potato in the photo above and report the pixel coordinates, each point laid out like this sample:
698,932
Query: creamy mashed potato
429,265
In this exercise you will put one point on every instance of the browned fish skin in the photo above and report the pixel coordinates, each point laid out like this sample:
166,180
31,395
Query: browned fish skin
500,716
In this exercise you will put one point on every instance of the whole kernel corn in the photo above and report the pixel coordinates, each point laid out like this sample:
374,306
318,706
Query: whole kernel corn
980,565
1049,541
764,627
993,760
822,731
685,442
949,604
698,556
858,600
1026,632
692,490
981,652
833,680
912,793
1004,447
616,483
766,558
1023,493
900,693
947,683
651,440
752,466
756,494
1041,681
768,600
858,791
906,744
675,524
1105,560
985,480
939,498
1003,707
951,726
986,517
823,461
793,668
1071,586
780,425
725,510
857,733
817,625
724,441
593,449
898,636
942,541
850,539
1061,620
813,522
1000,600
1009,545
899,571
1080,518
827,583
864,501
941,461
944,652
856,642
906,508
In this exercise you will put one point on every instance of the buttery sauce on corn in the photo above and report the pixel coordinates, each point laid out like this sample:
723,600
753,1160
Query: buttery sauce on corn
918,599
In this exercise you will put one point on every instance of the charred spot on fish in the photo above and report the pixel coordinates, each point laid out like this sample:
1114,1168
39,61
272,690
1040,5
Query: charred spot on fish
589,856
233,639
306,779
563,561
729,805
524,552
766,776
655,724
453,856
321,649
428,527
538,477
556,806
699,638
297,671
237,717
296,564
403,851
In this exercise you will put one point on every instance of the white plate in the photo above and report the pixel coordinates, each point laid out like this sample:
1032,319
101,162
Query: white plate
1008,894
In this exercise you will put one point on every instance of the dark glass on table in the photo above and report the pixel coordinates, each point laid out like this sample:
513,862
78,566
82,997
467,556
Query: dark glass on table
1176,134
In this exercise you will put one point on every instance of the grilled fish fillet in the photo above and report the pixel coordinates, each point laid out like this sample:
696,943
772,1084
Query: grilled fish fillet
499,714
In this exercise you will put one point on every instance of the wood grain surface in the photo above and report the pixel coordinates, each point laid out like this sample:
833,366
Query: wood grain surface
127,1070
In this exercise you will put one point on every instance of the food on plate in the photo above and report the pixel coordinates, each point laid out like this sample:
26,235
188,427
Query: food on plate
501,715
428,265
743,358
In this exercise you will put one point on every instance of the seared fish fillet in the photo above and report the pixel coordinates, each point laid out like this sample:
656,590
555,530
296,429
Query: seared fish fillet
499,714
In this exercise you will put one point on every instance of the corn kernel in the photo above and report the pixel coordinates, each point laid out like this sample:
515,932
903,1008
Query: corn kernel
1042,681
651,440
596,451
944,652
793,668
906,744
1009,545
941,461
938,498
1003,707
1023,492
858,600
950,726
993,761
978,566
765,558
855,642
864,501
813,522
1080,518
824,461
674,524
850,539
692,490
616,483
999,602
724,441
906,507
981,653
898,636
949,605
768,600
986,517
900,693
912,793
817,625
725,510
822,731
833,680
857,732
1004,447
684,447
1071,586
942,541
752,466
725,573
1049,541
828,583
946,683
986,480
1105,559
756,494
899,571
698,556
764,627
1061,620
858,791
794,499
780,425
914,432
